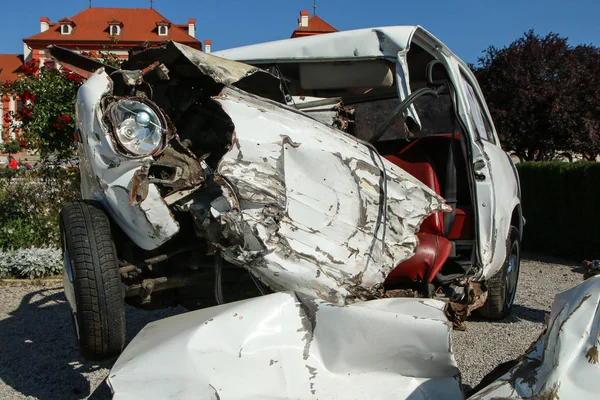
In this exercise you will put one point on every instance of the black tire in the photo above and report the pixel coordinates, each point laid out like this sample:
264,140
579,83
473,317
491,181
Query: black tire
92,280
502,287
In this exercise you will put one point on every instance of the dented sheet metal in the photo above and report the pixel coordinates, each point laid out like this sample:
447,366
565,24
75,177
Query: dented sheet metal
563,363
311,204
286,346
185,62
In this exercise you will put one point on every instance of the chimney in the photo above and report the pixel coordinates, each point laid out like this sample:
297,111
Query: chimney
44,24
207,44
304,19
192,27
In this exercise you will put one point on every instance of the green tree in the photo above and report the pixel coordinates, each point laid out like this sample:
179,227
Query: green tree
541,93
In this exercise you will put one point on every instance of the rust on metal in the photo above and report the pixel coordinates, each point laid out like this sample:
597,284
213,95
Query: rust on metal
592,355
459,311
592,268
139,187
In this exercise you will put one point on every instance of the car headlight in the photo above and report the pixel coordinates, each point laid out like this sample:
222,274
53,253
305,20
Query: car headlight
138,127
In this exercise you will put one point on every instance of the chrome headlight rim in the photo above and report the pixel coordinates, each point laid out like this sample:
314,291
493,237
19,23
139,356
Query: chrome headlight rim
111,115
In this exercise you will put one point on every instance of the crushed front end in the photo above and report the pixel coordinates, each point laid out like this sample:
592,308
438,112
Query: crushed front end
190,151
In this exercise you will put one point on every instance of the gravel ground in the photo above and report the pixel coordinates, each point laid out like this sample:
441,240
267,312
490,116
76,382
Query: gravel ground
38,358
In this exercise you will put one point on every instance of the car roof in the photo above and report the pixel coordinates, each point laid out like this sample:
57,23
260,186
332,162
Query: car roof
360,44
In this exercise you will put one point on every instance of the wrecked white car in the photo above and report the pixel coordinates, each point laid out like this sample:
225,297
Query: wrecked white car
344,167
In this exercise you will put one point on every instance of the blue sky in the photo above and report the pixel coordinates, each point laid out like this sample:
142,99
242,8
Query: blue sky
466,26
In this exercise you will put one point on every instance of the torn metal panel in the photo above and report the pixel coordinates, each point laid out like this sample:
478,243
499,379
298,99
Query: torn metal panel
184,62
220,70
563,363
284,346
329,111
311,215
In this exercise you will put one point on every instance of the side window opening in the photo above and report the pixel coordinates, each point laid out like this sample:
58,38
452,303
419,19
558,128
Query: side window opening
477,116
436,114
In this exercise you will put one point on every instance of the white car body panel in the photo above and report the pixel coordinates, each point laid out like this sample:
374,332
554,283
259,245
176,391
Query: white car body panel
286,346
361,44
563,363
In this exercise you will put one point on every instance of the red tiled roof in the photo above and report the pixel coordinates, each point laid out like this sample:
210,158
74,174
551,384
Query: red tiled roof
90,25
10,65
315,26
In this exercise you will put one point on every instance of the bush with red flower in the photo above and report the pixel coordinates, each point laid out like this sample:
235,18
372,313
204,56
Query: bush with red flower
31,67
44,118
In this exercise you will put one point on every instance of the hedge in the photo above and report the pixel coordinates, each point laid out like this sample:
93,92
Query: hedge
559,203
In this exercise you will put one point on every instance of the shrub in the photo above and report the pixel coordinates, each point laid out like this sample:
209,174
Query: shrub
11,147
46,118
30,263
30,202
559,203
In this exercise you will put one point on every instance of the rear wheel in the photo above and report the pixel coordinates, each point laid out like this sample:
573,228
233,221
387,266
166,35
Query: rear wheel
92,280
502,287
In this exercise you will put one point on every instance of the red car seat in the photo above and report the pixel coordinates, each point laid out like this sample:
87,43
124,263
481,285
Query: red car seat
434,248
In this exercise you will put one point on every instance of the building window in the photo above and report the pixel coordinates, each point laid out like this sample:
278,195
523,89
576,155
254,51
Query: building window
163,30
115,30
66,29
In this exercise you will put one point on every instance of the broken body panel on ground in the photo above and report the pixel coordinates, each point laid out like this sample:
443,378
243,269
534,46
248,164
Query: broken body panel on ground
285,345
563,363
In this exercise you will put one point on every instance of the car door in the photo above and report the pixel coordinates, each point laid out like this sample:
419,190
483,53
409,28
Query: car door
494,179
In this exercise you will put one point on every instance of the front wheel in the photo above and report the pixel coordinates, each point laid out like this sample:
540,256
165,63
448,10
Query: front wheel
502,287
92,280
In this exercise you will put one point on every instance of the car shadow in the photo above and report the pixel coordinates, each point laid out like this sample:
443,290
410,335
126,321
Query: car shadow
38,350
576,266
550,259
518,313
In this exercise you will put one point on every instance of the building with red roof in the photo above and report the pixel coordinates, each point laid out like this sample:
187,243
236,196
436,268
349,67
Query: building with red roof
10,67
313,25
108,29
